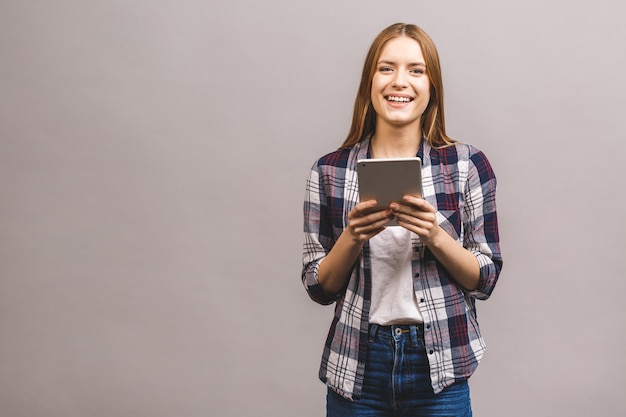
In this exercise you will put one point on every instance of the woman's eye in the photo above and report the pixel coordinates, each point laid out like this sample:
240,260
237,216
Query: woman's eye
384,69
417,71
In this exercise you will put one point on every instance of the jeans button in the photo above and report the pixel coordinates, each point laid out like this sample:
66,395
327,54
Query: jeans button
398,331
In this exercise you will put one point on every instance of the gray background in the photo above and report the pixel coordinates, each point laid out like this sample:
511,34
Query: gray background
152,167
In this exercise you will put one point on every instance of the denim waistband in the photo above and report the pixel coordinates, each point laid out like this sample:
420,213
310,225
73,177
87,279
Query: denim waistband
414,331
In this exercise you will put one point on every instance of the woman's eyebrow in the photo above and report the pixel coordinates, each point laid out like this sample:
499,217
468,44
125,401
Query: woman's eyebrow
412,64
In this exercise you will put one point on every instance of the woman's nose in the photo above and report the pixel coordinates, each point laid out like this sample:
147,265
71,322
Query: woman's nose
400,80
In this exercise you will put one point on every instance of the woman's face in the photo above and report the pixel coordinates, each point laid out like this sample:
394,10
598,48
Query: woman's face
400,86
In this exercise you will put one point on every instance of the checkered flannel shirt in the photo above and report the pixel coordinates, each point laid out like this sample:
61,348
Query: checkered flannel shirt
459,182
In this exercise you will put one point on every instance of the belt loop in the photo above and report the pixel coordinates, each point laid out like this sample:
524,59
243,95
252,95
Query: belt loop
414,335
373,330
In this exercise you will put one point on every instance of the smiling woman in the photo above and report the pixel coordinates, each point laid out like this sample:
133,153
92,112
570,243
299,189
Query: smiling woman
426,59
400,94
405,336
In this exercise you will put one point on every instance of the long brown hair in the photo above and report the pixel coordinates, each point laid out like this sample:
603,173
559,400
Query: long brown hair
364,116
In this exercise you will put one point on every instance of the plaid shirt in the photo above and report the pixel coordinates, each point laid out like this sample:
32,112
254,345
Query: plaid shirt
459,182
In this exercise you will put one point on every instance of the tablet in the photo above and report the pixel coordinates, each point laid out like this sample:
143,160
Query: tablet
387,180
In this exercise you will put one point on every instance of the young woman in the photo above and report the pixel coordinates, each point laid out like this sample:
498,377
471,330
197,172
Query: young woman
404,339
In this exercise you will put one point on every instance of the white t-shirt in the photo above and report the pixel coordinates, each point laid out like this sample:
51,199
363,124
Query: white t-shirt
393,297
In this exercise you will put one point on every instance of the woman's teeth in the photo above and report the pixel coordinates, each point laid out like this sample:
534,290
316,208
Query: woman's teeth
399,99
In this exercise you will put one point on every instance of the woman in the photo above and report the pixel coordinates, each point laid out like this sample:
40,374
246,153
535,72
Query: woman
404,340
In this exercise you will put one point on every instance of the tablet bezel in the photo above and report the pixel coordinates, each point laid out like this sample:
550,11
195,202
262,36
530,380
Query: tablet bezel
387,180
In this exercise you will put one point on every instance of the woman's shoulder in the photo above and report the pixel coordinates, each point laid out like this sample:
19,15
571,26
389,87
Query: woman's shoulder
460,151
336,159
476,159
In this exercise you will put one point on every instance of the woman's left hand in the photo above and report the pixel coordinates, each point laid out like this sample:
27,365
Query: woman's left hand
418,216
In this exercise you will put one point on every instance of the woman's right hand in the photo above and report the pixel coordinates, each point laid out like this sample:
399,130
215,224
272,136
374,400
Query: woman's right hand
364,224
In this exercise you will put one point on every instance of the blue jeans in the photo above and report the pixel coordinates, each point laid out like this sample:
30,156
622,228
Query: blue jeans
397,381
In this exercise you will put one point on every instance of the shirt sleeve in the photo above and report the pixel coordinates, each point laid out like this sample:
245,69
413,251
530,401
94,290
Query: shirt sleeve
481,223
318,236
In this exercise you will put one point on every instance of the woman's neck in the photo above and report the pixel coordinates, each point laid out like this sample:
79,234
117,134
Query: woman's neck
395,144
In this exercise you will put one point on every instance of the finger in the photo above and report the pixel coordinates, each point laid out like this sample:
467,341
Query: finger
363,208
368,233
366,227
406,209
420,226
417,217
373,220
422,209
418,202
363,213
364,234
366,205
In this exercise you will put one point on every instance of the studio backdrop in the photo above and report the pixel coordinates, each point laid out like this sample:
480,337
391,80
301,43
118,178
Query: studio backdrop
153,158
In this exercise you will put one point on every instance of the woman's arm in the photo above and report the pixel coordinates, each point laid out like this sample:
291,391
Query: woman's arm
476,264
327,262
420,217
337,266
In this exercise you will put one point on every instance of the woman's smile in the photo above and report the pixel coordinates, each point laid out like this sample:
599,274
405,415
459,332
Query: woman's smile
398,99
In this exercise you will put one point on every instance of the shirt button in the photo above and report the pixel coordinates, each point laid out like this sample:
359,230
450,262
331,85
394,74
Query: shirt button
421,300
417,275
431,351
428,326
